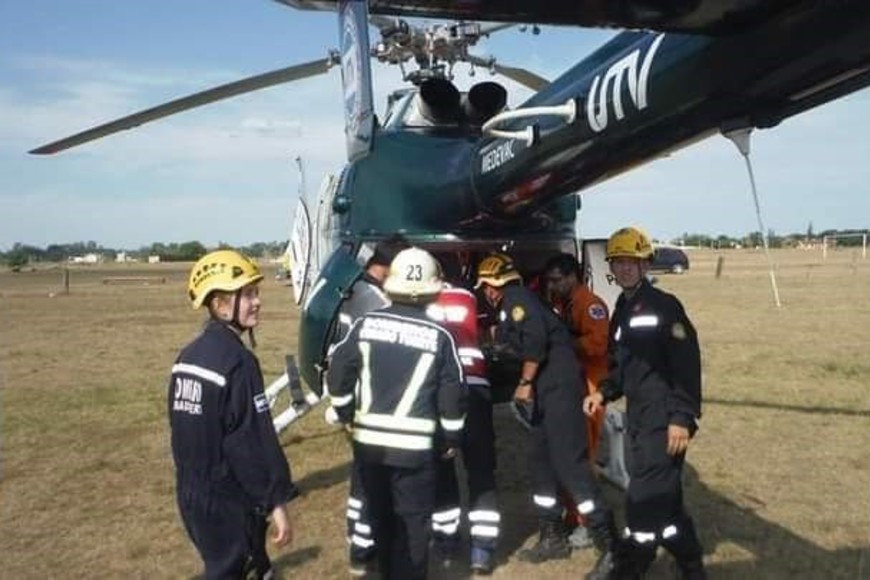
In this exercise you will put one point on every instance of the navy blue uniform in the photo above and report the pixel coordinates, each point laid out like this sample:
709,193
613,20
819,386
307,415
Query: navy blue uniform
230,469
398,380
559,451
656,364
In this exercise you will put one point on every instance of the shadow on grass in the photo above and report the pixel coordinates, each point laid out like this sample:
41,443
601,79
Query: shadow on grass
772,551
809,409
324,478
518,521
295,558
757,547
296,438
286,562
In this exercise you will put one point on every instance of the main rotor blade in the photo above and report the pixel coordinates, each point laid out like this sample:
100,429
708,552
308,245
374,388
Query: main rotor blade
520,75
247,85
495,27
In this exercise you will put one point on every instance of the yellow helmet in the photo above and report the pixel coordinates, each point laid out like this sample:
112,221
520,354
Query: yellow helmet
225,270
496,270
629,243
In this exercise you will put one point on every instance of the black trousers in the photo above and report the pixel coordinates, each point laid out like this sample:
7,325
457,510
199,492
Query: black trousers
655,514
478,454
401,501
559,456
230,537
359,529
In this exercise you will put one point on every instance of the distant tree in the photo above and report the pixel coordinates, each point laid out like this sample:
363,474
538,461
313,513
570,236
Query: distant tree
20,255
753,240
773,240
256,250
16,259
191,251
723,241
810,231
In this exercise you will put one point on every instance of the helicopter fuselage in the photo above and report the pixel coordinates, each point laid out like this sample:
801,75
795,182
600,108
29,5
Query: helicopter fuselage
640,96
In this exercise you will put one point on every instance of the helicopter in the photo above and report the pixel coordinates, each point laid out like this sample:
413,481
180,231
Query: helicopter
461,175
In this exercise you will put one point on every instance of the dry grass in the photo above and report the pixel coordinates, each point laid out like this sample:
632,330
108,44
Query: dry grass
779,480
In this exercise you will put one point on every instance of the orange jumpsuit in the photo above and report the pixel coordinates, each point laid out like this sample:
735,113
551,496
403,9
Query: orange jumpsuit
587,317
590,323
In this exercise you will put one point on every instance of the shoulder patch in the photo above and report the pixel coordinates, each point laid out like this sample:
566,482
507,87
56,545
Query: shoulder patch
518,313
261,404
678,331
596,311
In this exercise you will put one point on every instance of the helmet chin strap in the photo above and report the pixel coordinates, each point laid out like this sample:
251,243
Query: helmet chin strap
235,323
640,278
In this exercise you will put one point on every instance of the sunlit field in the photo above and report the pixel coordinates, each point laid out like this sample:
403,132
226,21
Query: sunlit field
778,478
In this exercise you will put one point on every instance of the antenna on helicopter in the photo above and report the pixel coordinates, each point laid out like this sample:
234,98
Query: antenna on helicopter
740,133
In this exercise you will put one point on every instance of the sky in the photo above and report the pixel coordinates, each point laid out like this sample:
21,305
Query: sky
226,172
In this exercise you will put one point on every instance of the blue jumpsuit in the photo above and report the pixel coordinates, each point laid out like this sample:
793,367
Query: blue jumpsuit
230,469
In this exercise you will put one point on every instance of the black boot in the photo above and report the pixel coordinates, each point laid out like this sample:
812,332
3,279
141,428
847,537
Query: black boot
552,545
691,570
604,537
686,549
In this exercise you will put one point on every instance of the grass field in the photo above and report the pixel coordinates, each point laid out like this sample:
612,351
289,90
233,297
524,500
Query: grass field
778,477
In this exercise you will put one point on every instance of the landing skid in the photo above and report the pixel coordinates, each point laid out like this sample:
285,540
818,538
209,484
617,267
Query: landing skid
300,400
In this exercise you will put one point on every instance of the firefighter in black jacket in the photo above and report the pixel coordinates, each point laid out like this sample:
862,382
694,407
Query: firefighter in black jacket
231,472
656,364
365,295
397,379
550,380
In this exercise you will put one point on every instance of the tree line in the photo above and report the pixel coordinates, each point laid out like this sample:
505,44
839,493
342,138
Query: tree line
842,238
23,254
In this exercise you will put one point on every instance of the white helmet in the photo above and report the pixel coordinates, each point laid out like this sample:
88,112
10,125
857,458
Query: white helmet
415,276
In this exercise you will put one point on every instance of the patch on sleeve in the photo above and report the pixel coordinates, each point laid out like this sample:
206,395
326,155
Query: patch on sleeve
518,313
596,312
261,404
678,331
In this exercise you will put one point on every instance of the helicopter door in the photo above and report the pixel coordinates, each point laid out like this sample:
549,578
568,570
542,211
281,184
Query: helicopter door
300,251
325,226
319,313
597,272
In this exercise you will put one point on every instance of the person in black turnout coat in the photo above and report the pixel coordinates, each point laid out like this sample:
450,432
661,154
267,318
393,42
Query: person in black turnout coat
365,295
655,362
397,380
231,472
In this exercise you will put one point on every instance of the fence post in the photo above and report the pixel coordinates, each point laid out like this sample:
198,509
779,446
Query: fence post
720,262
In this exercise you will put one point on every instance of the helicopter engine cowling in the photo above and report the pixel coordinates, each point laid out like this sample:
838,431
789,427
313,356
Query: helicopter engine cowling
438,103
483,101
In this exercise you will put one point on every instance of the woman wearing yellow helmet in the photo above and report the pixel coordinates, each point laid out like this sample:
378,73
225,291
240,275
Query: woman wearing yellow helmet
230,470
